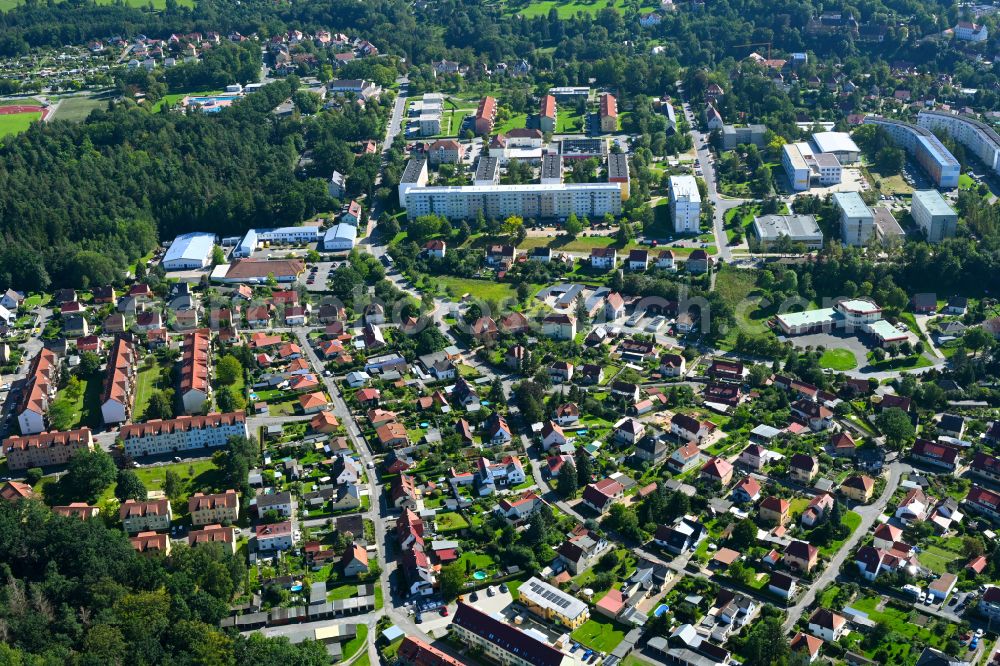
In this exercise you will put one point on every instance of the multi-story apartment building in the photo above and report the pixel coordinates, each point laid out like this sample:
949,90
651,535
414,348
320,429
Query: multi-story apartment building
485,116
608,113
196,370
857,222
39,390
218,508
978,137
214,534
685,204
549,201
926,148
183,433
502,642
119,382
553,604
46,449
146,516
547,114
933,214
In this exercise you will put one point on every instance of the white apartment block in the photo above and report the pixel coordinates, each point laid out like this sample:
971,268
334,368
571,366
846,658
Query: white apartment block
978,137
414,175
933,214
926,148
685,204
592,200
857,222
183,434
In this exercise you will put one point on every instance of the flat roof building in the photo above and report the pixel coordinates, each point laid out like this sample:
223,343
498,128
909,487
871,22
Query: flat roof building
933,214
618,172
189,252
685,204
414,175
798,228
537,201
857,222
839,143
487,171
978,137
925,148
887,229
552,169
733,136
583,148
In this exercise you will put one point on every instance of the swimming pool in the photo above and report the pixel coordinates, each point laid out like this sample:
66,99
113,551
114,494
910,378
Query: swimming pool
661,609
479,575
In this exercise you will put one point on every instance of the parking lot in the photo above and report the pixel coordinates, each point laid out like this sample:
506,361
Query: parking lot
317,275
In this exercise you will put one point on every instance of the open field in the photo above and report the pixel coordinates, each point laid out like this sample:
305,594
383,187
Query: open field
478,289
76,109
87,408
567,9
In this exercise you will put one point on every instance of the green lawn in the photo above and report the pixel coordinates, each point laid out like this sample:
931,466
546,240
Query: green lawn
599,634
900,363
76,109
478,289
86,408
838,359
173,98
567,9
342,592
901,622
283,408
352,646
146,383
194,476
450,521
568,121
939,553
516,121
15,123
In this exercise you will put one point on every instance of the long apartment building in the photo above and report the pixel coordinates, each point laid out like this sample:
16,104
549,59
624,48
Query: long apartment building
618,172
592,200
38,392
119,382
547,114
196,370
608,113
978,137
486,114
926,148
502,642
46,449
183,434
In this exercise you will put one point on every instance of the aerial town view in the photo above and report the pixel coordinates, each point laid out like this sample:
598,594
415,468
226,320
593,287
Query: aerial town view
517,332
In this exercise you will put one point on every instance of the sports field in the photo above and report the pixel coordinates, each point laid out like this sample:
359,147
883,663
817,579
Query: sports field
16,118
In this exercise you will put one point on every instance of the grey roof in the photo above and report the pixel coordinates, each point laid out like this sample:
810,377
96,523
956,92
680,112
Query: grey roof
190,247
772,227
487,168
552,166
413,169
617,165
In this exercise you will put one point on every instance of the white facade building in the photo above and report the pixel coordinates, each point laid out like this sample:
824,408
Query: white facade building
189,252
182,434
978,137
933,214
685,204
857,222
592,200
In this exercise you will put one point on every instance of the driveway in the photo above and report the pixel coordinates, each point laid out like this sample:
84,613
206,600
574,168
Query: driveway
868,515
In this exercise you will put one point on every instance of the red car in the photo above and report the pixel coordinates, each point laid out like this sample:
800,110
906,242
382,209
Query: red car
444,611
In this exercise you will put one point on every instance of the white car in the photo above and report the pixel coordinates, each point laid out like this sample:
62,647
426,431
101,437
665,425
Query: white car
979,633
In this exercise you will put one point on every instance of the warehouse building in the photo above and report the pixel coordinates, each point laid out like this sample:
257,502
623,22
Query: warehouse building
189,252
839,143
340,238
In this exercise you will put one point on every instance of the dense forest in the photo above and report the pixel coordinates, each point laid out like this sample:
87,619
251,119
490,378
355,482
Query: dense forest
75,592
78,202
